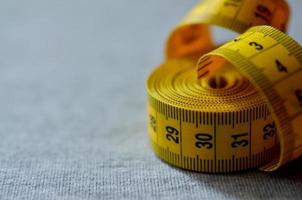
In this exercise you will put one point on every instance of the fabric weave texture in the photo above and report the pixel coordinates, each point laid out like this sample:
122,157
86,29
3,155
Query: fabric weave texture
72,105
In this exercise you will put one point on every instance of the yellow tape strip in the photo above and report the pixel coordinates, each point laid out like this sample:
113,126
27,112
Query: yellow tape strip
245,108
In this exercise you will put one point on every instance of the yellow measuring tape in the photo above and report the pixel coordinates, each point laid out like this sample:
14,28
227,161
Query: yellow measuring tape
237,107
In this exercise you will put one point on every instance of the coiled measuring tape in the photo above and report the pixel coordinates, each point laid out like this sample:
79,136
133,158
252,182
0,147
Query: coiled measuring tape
241,106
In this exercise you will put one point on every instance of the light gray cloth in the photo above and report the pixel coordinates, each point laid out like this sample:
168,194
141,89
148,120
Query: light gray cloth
72,105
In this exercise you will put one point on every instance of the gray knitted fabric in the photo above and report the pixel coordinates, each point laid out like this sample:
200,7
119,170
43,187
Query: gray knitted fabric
72,106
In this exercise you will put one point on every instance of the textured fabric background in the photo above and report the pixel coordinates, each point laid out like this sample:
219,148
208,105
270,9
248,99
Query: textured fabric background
72,105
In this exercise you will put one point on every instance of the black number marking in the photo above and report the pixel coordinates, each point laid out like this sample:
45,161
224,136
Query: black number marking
172,134
238,141
269,131
263,13
281,67
152,122
237,39
257,46
204,140
298,93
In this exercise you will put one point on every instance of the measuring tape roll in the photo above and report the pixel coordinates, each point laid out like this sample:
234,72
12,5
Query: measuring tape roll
244,109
